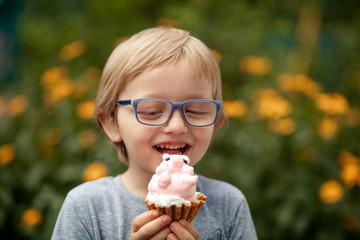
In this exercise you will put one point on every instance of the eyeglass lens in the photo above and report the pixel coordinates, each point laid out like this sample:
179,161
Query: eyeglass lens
197,113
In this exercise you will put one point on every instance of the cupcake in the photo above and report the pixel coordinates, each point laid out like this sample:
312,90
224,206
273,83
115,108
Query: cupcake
172,189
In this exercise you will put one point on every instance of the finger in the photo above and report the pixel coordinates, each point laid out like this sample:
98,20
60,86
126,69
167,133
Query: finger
152,228
171,237
142,219
184,230
162,234
190,228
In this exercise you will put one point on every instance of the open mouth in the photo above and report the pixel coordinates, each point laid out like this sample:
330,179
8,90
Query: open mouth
172,149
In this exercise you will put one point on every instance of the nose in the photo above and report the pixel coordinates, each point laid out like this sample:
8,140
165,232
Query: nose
178,163
176,123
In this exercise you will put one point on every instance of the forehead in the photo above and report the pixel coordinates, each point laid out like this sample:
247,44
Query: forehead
176,82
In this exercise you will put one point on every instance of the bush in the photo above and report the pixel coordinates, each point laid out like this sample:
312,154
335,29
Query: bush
291,80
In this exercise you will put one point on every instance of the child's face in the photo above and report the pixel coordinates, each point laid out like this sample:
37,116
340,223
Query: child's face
143,143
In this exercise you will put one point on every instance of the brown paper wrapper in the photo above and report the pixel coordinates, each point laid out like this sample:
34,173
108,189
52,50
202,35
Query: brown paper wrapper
182,211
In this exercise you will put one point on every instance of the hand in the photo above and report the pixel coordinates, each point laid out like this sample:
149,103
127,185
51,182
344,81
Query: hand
183,230
150,225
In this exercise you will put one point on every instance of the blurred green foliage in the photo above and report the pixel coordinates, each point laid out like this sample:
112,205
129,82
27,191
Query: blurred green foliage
291,82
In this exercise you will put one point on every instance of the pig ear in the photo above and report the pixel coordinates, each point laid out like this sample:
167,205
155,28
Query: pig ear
166,157
186,159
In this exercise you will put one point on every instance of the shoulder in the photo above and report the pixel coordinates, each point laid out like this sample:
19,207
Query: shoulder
219,190
226,211
95,190
95,210
222,195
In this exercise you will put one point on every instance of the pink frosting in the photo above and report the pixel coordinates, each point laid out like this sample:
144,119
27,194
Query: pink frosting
174,177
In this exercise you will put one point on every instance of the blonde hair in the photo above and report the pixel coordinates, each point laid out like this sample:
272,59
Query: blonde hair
151,48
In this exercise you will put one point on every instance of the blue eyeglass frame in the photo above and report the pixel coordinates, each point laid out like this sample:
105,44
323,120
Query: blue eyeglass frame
134,102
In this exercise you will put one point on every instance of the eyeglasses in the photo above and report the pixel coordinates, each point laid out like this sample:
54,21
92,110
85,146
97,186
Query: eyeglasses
156,112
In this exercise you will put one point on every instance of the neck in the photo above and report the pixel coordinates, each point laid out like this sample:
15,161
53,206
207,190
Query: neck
136,181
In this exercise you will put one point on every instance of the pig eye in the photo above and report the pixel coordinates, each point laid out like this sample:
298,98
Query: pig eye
186,162
167,159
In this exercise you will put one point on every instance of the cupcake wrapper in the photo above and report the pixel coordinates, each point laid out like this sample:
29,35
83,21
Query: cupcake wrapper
182,211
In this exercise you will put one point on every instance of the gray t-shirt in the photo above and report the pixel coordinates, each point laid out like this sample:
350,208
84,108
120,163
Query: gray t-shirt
105,209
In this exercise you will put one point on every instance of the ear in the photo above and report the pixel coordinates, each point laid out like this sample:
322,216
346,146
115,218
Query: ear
110,127
220,121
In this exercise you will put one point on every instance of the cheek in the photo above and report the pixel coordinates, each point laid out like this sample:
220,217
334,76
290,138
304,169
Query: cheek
126,121
136,136
205,135
203,139
206,139
131,133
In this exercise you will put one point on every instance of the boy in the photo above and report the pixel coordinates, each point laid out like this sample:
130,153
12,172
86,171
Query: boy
160,92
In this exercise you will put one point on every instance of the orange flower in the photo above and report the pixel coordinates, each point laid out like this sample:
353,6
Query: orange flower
165,21
31,218
346,157
284,126
85,110
236,108
17,105
72,50
298,83
271,105
61,90
331,191
255,65
333,104
350,174
350,168
327,128
7,154
53,75
56,85
217,55
94,171
87,138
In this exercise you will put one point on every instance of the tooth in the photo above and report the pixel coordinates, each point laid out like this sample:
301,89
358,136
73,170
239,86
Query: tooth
163,146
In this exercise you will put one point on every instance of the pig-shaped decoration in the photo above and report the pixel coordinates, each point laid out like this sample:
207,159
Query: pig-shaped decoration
174,177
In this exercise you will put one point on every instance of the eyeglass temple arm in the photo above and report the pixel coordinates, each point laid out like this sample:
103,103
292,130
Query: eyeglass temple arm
123,102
